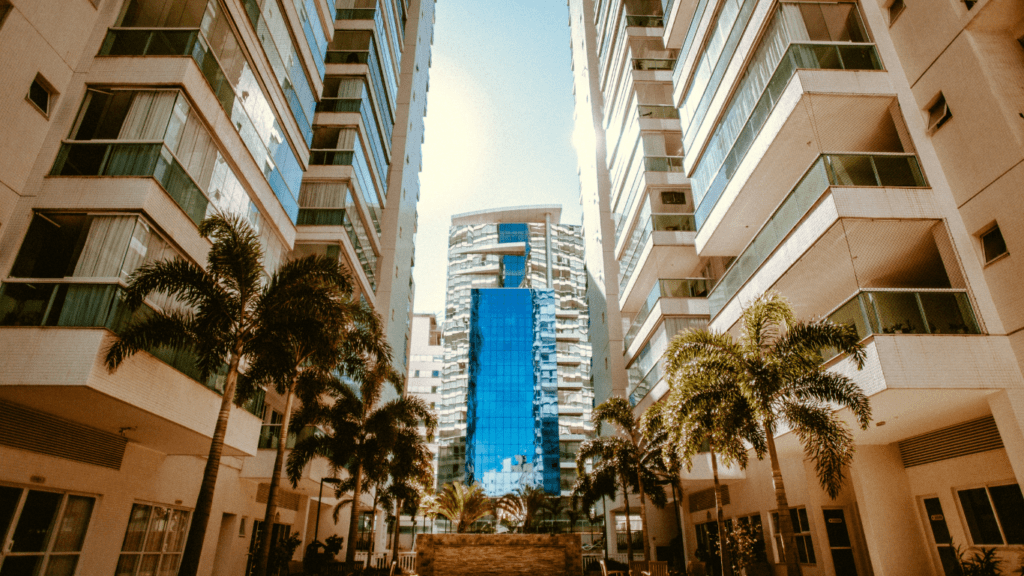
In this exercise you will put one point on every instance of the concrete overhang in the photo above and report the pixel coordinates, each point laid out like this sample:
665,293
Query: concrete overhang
535,214
261,468
820,111
662,308
60,371
507,248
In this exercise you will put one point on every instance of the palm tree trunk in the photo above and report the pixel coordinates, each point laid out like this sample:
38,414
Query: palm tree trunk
677,495
204,502
353,526
723,544
263,555
785,526
644,532
629,531
398,531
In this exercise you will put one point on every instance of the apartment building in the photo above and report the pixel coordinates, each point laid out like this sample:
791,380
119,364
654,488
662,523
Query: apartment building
860,158
426,361
515,398
126,122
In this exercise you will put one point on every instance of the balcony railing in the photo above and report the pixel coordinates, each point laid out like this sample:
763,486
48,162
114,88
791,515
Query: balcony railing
321,217
663,163
649,111
713,172
133,159
339,105
653,63
330,157
673,222
270,436
355,14
656,223
913,311
652,21
828,170
63,304
685,288
347,57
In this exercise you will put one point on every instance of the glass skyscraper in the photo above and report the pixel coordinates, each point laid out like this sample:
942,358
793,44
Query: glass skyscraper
516,396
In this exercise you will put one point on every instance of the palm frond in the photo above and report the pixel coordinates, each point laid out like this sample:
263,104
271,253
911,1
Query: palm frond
175,329
826,441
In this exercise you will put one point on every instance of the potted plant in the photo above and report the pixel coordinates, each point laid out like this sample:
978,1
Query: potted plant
749,557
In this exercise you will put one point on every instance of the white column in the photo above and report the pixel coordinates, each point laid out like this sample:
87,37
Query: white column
547,247
1007,407
889,513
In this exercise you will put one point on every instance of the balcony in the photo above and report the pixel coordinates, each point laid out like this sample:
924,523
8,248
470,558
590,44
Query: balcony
347,57
652,250
669,289
663,163
906,311
652,21
134,159
861,170
355,14
653,64
45,320
658,112
339,105
270,436
261,466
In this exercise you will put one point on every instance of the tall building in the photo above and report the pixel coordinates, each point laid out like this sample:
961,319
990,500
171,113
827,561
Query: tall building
426,361
516,395
860,158
126,122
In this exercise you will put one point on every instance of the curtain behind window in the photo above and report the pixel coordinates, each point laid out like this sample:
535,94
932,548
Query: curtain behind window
149,116
104,250
323,195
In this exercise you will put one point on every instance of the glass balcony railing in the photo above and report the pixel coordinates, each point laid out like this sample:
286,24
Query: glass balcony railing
321,217
691,34
684,288
155,160
901,311
673,223
652,21
648,111
355,14
142,42
270,436
339,105
330,157
347,57
663,163
713,171
867,170
653,63
62,304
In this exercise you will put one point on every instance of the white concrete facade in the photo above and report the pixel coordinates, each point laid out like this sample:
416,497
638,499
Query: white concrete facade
922,263
231,98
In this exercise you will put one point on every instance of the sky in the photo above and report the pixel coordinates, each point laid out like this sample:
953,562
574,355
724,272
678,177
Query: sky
499,122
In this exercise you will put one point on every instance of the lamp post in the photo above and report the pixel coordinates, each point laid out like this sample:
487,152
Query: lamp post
319,502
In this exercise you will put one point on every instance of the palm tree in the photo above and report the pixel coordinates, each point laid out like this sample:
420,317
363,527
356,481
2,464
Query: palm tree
613,463
522,505
776,364
591,486
411,468
463,505
643,455
358,426
298,346
553,506
707,412
217,320
653,429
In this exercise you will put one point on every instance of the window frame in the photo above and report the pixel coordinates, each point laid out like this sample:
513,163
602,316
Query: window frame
798,534
999,522
984,251
44,84
151,518
54,530
902,7
937,121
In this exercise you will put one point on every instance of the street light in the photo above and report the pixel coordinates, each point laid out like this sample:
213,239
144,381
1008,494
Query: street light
319,503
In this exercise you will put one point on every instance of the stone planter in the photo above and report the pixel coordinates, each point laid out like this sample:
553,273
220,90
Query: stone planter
499,555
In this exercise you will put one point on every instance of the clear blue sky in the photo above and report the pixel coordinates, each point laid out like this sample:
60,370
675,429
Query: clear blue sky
499,122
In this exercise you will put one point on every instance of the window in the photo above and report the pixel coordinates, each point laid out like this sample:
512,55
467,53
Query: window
895,9
153,540
435,373
673,198
5,7
994,514
40,92
993,244
42,532
801,532
938,113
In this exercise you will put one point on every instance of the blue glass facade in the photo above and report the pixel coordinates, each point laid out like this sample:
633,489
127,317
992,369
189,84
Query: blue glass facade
513,268
512,413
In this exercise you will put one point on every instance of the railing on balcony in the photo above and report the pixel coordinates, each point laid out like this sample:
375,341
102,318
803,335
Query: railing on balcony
339,105
64,304
653,63
622,539
684,288
663,163
270,436
347,57
713,171
355,14
867,170
673,223
133,159
651,21
908,311
331,157
321,217
652,111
